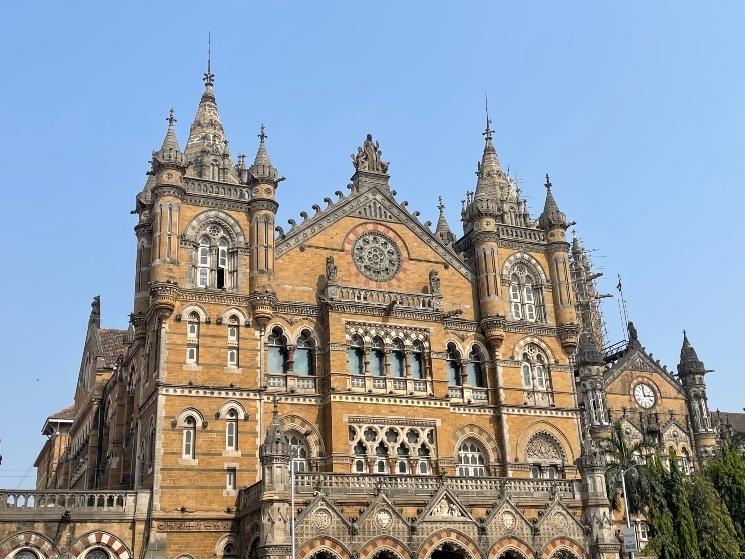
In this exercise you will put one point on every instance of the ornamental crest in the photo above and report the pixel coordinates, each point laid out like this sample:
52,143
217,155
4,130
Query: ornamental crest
376,256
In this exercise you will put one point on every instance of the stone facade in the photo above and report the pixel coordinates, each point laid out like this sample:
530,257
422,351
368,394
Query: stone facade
428,389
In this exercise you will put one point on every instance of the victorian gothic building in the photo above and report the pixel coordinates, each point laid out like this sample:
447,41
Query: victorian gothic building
438,395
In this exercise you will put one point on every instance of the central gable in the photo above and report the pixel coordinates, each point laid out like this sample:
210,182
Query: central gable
375,204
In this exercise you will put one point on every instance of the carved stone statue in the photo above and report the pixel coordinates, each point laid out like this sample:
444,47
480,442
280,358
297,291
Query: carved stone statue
330,269
368,157
96,306
633,335
434,282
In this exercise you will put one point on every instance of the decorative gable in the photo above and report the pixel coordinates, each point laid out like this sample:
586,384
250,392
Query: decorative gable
636,359
445,506
321,516
506,520
558,521
382,517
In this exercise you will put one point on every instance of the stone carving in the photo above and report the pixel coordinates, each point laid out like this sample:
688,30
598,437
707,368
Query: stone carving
322,519
376,256
368,157
434,282
330,269
559,521
383,518
508,520
446,508
542,447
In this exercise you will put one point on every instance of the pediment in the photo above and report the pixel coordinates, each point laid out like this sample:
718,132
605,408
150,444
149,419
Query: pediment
374,204
381,516
506,519
673,432
320,514
636,359
559,521
445,506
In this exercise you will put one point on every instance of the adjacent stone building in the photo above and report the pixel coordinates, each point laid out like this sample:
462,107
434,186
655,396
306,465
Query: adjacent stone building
439,396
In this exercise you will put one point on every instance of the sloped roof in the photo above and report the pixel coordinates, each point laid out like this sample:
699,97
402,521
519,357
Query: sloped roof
112,344
737,420
67,413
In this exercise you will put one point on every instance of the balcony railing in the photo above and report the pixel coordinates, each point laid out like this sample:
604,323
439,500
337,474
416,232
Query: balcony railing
368,484
33,503
389,385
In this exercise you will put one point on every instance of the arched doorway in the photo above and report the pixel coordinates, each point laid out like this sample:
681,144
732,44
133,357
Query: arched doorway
511,554
323,554
449,550
385,554
564,554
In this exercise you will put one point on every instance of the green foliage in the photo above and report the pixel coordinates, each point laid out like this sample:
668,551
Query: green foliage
727,473
622,456
676,489
714,528
663,541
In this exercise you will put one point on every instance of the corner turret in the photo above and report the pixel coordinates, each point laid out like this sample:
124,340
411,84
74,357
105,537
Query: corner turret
442,231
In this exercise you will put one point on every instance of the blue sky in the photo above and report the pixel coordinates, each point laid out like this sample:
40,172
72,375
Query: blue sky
636,109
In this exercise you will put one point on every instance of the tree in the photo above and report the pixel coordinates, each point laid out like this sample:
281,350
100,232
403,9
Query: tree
727,472
663,541
676,489
623,455
714,528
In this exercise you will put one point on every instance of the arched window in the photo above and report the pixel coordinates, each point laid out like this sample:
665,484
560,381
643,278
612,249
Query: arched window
356,356
534,369
97,553
398,368
526,302
231,430
452,358
233,341
222,263
474,371
416,360
192,338
203,263
277,343
151,447
545,456
304,354
298,451
377,359
684,460
230,551
189,438
471,462
25,554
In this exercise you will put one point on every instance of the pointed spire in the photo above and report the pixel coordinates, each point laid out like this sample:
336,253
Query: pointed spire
443,229
552,216
275,445
490,174
588,353
262,169
689,361
169,155
170,141
206,150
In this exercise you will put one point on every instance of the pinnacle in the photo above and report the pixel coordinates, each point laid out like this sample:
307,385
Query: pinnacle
443,229
262,168
170,141
552,216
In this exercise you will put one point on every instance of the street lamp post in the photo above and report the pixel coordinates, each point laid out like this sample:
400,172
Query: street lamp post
626,500
292,505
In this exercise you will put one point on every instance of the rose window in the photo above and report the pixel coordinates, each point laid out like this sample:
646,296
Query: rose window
376,256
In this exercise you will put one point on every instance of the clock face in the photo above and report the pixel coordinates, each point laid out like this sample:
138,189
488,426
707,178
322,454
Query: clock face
644,395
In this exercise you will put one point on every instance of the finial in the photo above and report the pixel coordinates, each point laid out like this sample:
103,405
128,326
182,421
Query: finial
547,183
488,132
440,205
209,77
171,119
262,135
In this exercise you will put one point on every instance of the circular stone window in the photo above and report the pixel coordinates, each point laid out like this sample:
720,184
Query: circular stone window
376,256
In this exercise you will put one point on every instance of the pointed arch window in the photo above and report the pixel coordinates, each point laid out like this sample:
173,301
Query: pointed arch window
298,451
526,300
277,349
474,368
545,456
151,448
231,430
377,357
398,368
452,363
203,264
192,338
222,263
416,360
189,438
534,369
304,354
356,355
471,461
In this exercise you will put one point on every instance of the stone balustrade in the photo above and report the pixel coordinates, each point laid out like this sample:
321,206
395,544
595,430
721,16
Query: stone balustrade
234,192
420,301
26,503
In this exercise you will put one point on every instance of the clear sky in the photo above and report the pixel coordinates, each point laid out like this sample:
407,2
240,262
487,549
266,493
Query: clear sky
636,109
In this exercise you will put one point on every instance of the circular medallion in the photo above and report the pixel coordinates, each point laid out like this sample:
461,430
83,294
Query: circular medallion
383,518
560,521
376,256
322,519
508,520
